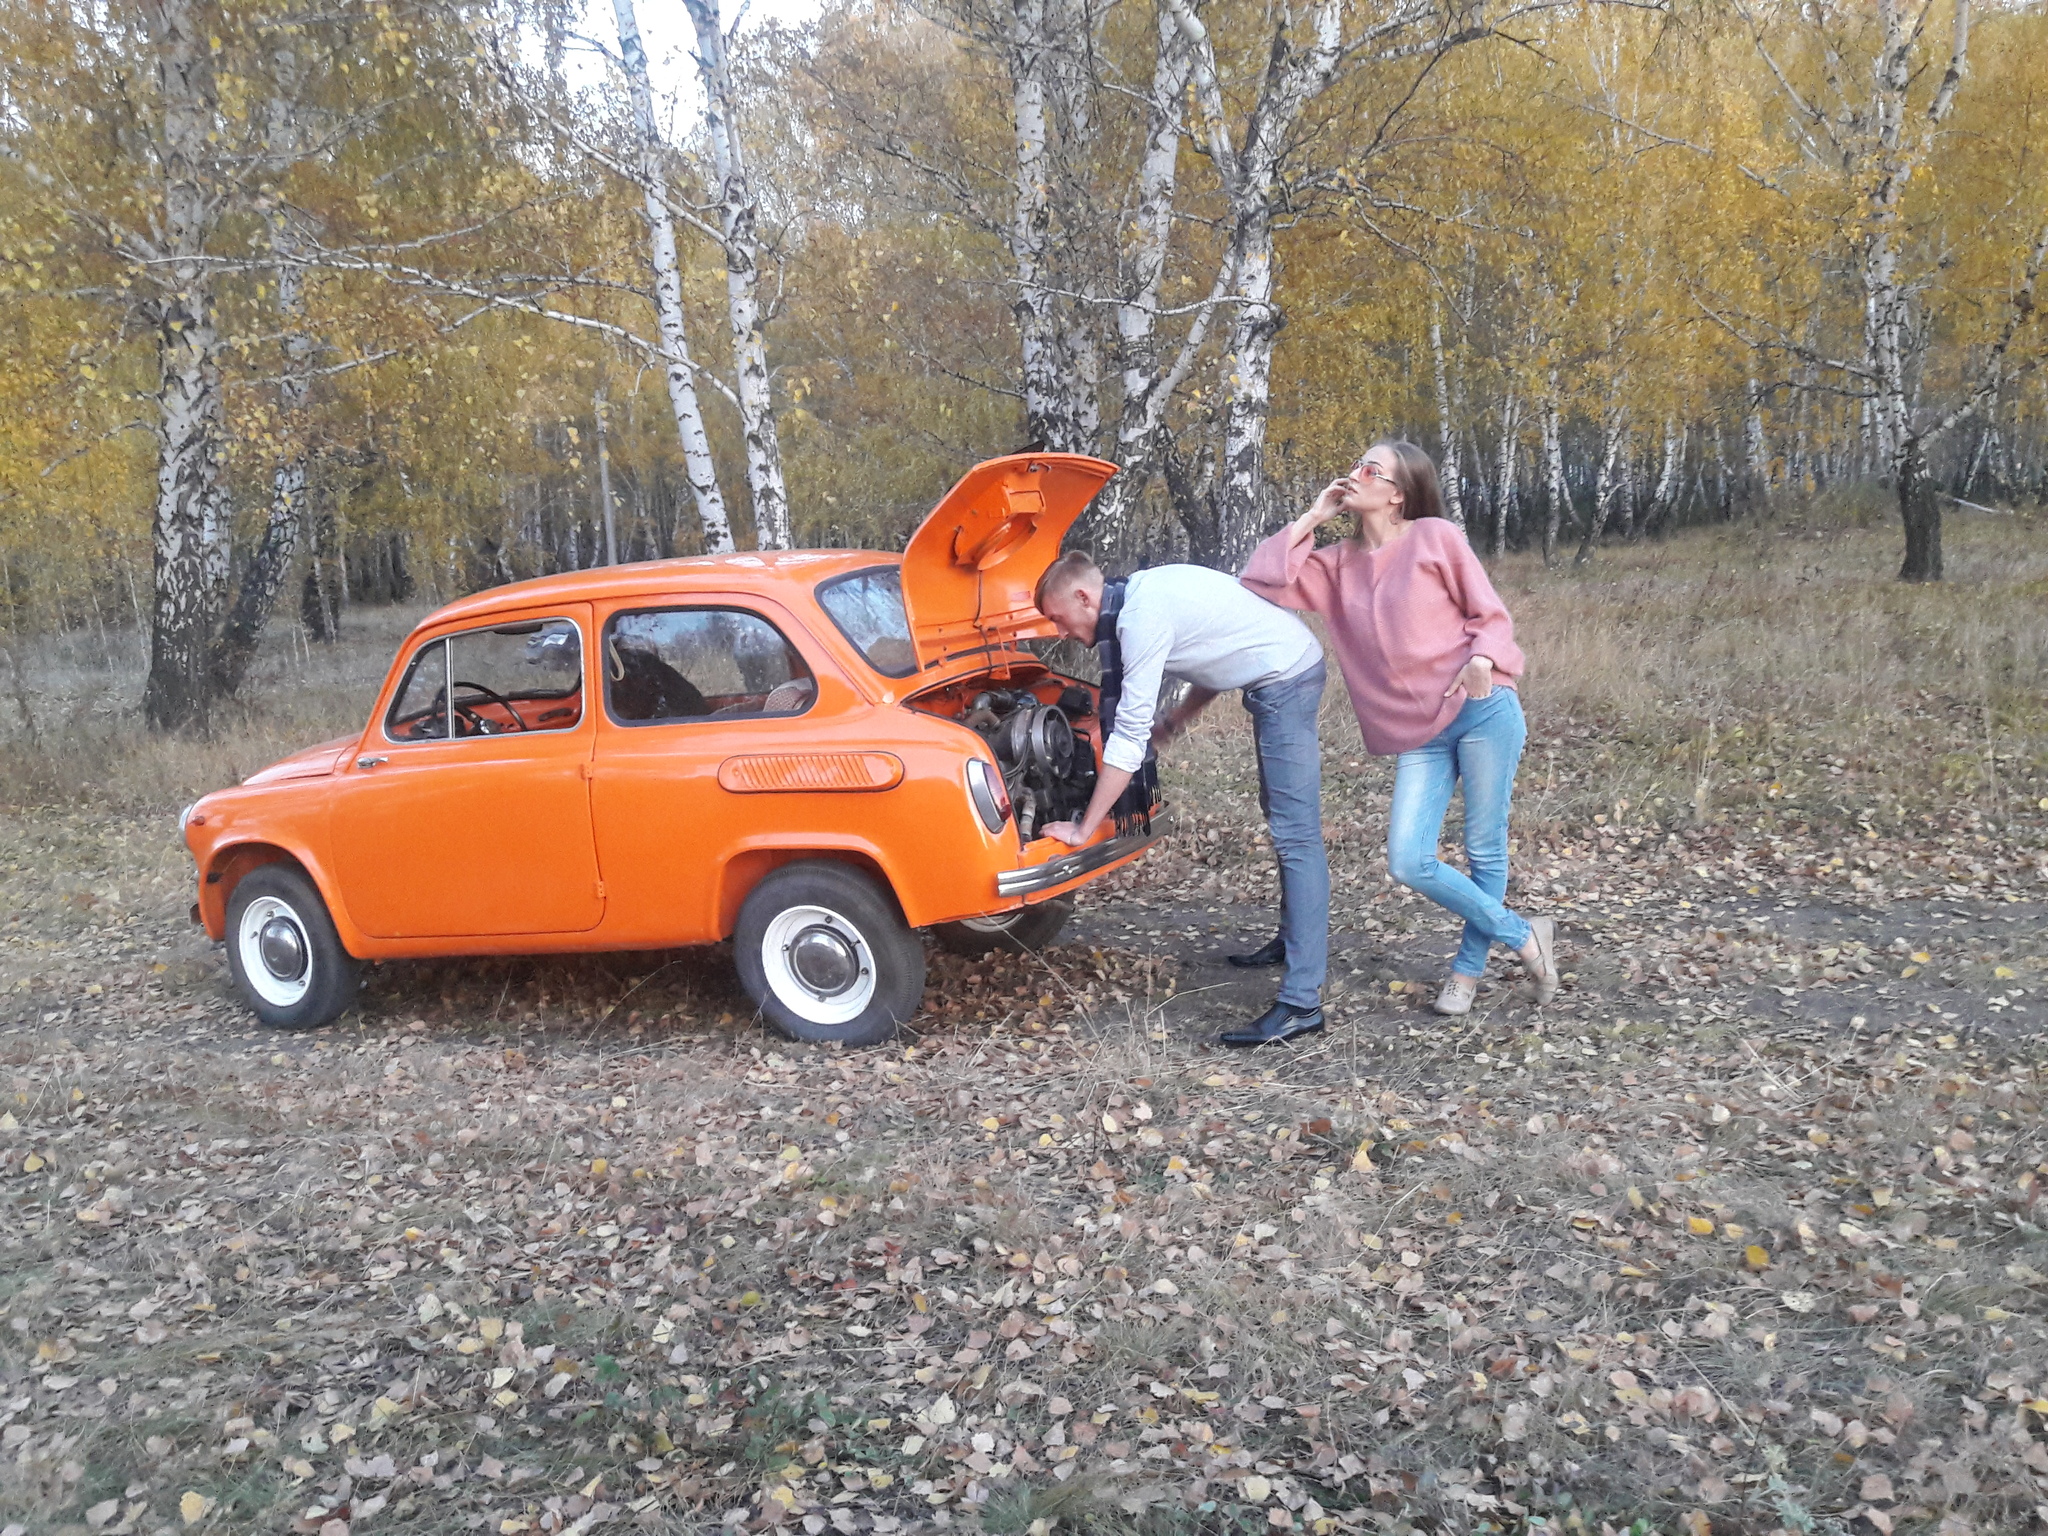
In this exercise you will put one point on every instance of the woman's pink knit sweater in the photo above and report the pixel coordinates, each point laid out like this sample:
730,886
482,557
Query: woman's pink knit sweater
1404,619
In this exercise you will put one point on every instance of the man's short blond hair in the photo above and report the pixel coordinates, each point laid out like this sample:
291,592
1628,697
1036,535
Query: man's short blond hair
1073,569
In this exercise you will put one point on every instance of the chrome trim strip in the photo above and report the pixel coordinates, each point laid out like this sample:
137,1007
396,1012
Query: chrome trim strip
1082,861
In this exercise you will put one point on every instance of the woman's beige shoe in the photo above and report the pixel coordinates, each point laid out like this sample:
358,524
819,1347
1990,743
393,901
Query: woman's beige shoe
1544,930
1456,997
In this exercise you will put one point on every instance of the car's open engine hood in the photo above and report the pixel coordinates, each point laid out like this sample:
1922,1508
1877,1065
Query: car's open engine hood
969,569
312,763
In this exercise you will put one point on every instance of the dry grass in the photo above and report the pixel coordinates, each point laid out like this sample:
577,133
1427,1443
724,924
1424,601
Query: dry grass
569,1245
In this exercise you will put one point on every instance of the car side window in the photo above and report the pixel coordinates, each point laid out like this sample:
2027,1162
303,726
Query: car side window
868,608
504,680
666,664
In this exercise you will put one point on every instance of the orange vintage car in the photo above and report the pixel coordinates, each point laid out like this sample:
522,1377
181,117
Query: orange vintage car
812,753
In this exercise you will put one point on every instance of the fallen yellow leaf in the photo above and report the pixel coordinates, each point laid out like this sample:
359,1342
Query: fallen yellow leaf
1755,1257
1361,1160
193,1506
600,1167
1257,1489
1701,1227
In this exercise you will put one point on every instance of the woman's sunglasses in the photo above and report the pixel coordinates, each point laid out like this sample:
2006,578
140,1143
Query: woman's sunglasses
1365,469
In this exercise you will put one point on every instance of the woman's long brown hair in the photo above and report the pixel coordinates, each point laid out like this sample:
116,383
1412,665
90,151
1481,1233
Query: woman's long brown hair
1415,478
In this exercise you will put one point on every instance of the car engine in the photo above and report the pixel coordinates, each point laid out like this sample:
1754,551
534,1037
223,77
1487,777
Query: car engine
1048,771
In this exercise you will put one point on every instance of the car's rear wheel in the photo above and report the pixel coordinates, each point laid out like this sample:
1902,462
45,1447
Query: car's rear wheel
826,956
1022,931
285,956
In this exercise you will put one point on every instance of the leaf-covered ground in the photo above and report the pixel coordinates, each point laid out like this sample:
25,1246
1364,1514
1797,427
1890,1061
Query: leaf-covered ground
1740,1232
1739,1235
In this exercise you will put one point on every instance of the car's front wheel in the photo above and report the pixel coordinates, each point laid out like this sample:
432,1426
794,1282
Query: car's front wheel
1019,932
286,958
826,956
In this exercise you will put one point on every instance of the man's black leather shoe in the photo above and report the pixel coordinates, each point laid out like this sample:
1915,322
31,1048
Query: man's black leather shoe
1272,952
1282,1021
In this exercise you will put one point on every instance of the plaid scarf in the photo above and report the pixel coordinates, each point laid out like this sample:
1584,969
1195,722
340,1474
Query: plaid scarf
1133,808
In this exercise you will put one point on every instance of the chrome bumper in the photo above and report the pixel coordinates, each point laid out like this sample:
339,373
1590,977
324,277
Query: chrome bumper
1082,861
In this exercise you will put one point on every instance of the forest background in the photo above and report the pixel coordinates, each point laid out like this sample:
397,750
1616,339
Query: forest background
313,305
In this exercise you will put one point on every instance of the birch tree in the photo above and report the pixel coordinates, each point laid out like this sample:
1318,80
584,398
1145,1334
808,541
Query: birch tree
189,539
1262,152
738,223
1248,152
1851,80
1452,476
678,369
269,565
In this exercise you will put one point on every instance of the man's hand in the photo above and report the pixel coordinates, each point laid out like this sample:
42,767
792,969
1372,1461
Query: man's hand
1109,784
1475,677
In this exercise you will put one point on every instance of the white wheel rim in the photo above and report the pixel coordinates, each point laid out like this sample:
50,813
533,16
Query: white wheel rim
267,967
990,924
818,965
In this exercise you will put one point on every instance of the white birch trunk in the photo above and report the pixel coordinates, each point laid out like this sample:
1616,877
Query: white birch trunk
1453,479
188,538
1145,389
1081,351
1614,433
1250,174
263,578
1666,494
604,480
678,369
1556,492
1030,220
737,214
1504,467
1248,386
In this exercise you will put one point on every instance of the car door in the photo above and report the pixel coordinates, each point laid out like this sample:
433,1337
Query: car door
474,820
689,686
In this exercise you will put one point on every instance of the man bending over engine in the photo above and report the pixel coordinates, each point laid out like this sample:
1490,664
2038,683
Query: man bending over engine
1201,626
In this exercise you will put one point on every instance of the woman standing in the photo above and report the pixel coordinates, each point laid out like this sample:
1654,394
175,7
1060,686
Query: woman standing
1429,656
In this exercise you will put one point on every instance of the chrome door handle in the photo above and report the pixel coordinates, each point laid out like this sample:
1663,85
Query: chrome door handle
371,762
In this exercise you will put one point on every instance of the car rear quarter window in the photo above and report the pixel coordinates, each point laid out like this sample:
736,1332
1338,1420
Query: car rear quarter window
668,664
508,679
868,608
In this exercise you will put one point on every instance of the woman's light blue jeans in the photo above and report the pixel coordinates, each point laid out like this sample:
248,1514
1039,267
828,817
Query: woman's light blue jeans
1481,747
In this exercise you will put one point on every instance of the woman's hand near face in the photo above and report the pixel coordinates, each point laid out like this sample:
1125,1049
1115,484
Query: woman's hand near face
1475,677
1327,505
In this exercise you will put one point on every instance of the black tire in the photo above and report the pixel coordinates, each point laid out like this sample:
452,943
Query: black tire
287,960
826,956
1030,928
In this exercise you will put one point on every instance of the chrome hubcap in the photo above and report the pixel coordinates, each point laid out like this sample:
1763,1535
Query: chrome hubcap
823,961
283,949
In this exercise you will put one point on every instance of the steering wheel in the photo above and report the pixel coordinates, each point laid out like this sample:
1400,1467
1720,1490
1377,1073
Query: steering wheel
479,726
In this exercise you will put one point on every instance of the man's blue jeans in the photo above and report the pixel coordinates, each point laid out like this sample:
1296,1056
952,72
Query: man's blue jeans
1290,755
1481,747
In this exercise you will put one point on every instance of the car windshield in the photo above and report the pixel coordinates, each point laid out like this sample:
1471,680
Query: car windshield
868,608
